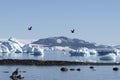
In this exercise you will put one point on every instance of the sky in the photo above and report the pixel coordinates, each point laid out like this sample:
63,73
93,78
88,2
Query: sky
93,20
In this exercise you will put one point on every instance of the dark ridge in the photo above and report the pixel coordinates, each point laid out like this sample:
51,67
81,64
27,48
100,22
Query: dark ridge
48,63
65,41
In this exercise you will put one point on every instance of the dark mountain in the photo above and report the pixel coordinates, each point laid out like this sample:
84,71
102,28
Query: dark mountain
1,41
64,41
117,46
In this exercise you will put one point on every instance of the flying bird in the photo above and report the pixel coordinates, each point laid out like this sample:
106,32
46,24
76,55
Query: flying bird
73,30
30,28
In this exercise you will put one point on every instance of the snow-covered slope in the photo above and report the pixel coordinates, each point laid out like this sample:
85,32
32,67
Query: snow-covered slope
27,48
67,42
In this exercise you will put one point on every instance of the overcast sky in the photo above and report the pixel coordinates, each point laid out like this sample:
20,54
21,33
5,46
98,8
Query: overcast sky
94,20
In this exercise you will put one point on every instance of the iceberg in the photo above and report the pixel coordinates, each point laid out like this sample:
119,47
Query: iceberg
13,40
13,45
105,52
84,52
38,51
108,57
27,48
76,53
3,49
9,45
93,52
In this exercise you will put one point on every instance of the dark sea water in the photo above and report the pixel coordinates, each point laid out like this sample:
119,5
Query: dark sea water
54,73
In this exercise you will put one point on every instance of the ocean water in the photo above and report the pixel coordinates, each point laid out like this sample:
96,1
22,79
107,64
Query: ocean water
54,73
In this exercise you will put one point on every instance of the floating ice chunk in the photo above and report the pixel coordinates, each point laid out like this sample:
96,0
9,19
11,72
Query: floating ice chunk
4,49
76,53
13,45
117,52
27,48
105,52
38,51
83,52
8,45
93,52
108,57
13,40
18,51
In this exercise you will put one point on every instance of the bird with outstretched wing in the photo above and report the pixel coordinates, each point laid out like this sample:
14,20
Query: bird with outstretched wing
30,28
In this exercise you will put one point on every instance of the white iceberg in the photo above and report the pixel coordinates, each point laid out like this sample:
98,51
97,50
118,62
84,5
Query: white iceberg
108,57
84,52
3,49
13,40
38,51
27,48
93,52
13,45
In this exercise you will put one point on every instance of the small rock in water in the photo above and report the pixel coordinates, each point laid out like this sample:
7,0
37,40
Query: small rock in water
20,77
5,71
72,69
115,69
15,75
24,71
91,67
64,69
78,69
16,72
